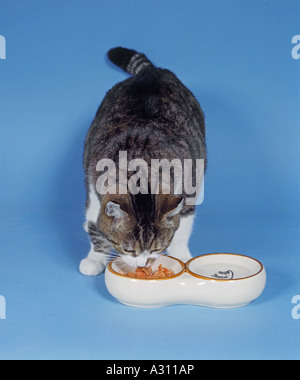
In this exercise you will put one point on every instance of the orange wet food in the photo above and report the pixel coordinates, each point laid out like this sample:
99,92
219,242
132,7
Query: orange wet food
144,273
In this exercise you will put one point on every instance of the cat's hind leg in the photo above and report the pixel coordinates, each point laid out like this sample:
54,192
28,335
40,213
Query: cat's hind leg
179,246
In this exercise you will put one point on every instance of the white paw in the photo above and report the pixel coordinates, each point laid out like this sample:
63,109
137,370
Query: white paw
91,268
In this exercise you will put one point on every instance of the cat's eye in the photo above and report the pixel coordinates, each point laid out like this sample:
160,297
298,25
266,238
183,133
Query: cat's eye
156,251
131,251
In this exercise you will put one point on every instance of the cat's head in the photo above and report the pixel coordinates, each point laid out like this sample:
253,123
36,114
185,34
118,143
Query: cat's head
140,227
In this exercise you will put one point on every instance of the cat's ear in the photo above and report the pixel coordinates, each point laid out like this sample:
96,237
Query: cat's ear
179,202
114,210
171,205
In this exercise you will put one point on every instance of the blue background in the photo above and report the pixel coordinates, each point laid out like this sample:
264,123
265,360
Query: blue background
236,58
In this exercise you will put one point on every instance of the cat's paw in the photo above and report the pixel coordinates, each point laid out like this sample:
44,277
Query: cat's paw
91,268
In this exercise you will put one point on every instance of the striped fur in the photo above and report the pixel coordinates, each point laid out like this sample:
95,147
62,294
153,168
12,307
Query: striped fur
150,115
129,60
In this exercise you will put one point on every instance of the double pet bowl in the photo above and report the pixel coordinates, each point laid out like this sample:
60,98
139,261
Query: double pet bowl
220,280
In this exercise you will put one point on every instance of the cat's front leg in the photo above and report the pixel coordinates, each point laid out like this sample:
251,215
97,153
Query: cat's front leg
97,259
94,264
179,246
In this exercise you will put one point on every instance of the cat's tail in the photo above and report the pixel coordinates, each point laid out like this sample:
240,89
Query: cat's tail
129,60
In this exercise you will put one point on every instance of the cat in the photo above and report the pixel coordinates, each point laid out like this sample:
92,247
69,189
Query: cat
150,115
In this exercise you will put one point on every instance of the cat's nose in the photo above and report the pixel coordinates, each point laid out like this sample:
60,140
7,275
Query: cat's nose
142,258
150,261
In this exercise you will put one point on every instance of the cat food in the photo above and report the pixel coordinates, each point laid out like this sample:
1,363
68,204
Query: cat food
144,273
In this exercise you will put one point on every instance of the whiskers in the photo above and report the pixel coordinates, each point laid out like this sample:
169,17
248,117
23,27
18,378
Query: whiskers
83,238
114,255
117,258
120,265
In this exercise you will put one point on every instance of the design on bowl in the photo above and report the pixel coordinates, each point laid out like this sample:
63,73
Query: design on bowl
224,275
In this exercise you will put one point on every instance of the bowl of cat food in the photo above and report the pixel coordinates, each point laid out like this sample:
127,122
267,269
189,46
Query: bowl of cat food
220,280
145,287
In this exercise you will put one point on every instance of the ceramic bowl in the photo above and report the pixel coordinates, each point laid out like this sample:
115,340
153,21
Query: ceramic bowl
220,280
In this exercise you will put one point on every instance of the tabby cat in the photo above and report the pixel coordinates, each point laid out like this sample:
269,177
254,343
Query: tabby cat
150,115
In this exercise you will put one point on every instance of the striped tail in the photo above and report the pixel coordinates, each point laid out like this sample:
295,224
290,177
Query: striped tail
129,60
